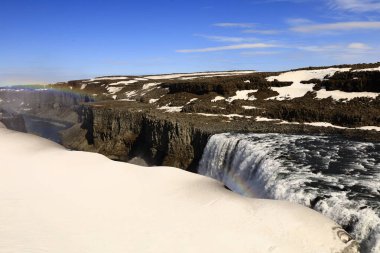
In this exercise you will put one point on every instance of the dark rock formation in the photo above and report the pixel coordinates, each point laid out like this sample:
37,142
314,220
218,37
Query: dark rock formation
354,81
123,134
12,120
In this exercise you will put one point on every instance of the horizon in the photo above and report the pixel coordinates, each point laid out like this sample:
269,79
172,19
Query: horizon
48,42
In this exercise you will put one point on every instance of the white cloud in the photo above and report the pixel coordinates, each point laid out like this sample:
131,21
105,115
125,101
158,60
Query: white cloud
356,5
298,21
354,47
267,32
341,53
323,48
340,26
358,46
256,53
227,39
225,48
239,25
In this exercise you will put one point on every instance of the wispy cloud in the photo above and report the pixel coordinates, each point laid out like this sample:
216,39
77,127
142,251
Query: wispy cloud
258,53
343,53
226,48
238,25
298,21
358,46
340,26
266,32
227,38
356,5
354,47
318,49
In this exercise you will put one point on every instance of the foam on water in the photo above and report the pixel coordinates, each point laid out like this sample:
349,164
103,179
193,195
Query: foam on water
336,177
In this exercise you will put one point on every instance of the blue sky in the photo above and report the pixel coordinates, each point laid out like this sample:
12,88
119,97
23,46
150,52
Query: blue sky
43,41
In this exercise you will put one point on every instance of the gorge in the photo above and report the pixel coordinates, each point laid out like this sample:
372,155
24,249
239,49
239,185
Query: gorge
268,135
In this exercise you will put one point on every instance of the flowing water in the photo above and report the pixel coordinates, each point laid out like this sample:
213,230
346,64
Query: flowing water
337,177
49,129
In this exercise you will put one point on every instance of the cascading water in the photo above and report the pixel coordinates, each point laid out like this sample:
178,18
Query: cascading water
337,177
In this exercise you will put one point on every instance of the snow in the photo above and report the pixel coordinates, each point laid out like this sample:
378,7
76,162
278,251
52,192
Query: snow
130,94
297,89
369,69
192,100
113,90
124,82
337,95
320,124
242,95
324,124
54,200
218,98
247,81
376,128
263,119
230,116
189,78
153,100
248,107
169,108
83,86
199,74
109,78
150,85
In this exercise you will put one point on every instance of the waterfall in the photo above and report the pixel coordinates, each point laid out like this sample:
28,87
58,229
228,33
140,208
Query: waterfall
337,177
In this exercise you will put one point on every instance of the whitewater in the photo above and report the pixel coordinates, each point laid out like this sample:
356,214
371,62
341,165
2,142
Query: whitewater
334,176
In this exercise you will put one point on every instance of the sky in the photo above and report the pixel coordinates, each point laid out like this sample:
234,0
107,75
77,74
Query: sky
44,41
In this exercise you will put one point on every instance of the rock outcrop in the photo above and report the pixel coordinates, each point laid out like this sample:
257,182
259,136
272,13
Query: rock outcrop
123,134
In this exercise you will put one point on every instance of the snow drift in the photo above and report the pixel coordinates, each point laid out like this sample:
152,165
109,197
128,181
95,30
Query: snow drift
54,200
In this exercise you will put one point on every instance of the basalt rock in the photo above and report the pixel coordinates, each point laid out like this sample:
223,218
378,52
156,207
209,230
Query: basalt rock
123,134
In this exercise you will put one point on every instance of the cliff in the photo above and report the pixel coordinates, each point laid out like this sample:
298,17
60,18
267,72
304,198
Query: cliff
123,134
167,119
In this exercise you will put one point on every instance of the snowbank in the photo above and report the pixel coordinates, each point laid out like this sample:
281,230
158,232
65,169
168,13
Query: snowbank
298,89
54,200
337,94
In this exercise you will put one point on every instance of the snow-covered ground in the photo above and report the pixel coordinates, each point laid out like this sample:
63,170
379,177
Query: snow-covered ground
319,124
189,76
124,82
54,200
169,108
337,94
242,95
298,89
108,78
230,116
